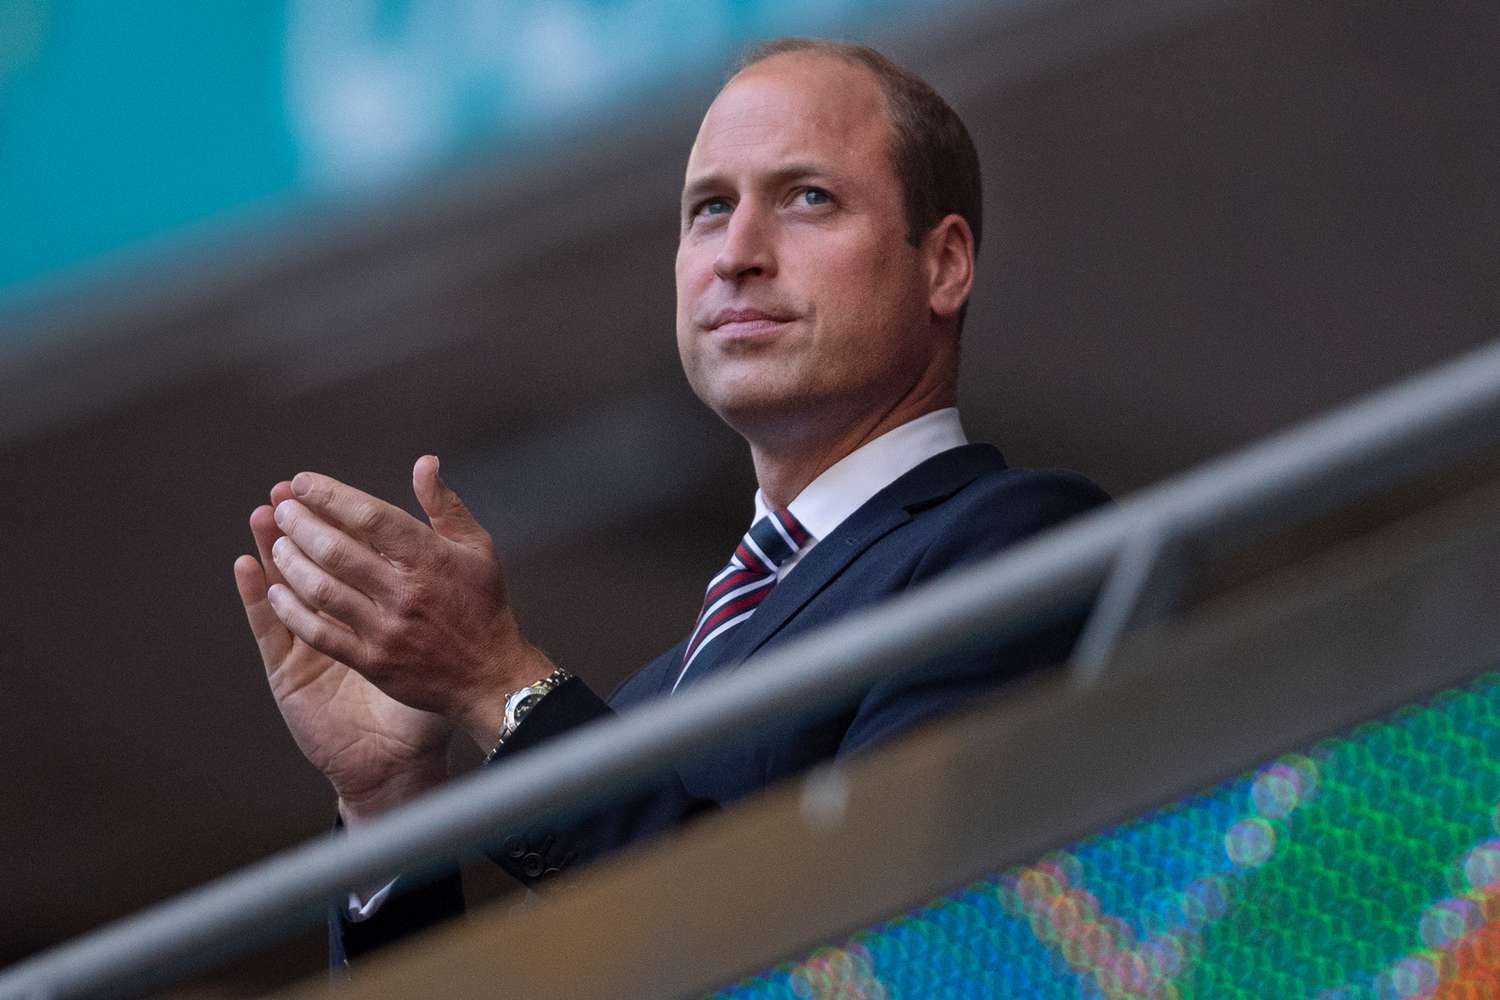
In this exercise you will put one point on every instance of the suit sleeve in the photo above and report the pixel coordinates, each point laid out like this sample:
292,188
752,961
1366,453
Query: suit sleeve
531,855
534,854
416,902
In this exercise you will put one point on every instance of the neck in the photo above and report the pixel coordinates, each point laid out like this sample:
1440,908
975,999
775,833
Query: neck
786,465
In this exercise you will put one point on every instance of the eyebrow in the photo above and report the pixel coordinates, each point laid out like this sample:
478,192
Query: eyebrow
712,183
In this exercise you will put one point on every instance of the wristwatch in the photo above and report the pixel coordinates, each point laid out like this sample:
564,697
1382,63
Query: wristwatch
519,703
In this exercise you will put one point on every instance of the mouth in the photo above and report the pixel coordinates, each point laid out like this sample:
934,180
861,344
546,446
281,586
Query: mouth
746,323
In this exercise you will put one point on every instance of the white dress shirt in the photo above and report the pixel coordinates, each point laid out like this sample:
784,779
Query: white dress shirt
822,506
848,484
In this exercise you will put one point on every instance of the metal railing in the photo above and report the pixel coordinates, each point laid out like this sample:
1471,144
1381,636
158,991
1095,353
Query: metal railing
1371,445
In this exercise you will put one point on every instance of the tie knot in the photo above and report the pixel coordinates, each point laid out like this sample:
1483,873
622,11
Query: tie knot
771,541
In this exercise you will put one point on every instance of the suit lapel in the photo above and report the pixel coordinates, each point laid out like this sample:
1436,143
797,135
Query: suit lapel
929,483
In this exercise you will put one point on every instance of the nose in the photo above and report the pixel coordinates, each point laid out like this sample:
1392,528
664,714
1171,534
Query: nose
748,249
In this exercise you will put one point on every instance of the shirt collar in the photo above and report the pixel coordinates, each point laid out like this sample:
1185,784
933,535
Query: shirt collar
851,481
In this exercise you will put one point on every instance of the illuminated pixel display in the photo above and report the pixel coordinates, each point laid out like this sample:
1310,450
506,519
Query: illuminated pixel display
1366,867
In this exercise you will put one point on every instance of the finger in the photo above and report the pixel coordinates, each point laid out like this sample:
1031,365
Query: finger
281,491
352,562
317,588
448,514
321,633
271,637
390,530
263,527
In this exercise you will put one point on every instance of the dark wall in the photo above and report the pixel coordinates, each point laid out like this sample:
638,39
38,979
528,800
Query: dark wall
1195,236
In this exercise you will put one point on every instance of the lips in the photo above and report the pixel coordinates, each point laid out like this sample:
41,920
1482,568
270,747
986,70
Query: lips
746,322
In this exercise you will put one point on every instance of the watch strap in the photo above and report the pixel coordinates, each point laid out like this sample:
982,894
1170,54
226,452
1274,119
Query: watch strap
520,703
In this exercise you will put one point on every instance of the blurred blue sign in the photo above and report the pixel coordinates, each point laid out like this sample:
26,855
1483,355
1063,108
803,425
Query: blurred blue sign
122,124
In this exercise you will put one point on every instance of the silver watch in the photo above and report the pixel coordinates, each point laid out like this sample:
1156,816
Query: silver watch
519,703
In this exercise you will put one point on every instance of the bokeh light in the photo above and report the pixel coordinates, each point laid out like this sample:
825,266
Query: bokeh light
1366,868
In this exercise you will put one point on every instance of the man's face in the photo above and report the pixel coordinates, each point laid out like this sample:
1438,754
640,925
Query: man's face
798,295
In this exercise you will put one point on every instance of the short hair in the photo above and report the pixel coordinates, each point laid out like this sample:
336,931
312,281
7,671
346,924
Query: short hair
934,158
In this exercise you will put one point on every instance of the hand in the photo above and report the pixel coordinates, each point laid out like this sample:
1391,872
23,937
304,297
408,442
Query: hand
421,612
375,751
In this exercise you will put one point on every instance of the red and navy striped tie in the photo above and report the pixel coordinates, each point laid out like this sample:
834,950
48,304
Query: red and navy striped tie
738,589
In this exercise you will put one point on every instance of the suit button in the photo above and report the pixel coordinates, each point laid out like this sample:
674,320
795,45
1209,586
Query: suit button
550,872
532,865
515,847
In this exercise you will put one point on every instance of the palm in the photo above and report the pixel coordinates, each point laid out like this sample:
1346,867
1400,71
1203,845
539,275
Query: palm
348,728
363,740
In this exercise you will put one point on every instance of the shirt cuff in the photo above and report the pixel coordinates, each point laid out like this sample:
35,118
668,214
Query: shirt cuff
356,910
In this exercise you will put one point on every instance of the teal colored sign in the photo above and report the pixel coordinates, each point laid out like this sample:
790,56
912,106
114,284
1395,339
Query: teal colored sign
123,125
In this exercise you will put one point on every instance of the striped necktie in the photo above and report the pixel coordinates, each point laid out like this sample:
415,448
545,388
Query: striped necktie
739,587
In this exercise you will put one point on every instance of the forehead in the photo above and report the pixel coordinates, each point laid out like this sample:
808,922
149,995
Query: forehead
797,106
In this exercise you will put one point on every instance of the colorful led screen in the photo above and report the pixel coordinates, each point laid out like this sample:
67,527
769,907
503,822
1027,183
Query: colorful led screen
1366,867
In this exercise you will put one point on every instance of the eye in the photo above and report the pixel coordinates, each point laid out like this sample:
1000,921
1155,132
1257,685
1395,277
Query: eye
711,207
814,197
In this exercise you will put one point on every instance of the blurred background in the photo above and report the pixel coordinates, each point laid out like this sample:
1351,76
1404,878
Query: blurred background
239,240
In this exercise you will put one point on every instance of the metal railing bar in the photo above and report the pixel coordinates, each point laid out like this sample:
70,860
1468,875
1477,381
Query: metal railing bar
1142,586
1378,441
603,759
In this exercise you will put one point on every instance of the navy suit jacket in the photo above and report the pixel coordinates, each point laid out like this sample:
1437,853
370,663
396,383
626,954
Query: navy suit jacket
956,507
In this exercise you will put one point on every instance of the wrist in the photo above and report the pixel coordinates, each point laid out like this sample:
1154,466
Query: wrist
359,809
485,717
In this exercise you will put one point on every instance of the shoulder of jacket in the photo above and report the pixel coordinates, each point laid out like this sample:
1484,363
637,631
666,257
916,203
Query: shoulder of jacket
1060,490
1004,506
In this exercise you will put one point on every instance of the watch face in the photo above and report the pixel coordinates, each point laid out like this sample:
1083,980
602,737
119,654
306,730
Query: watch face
520,703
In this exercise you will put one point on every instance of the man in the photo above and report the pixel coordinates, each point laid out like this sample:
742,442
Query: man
830,217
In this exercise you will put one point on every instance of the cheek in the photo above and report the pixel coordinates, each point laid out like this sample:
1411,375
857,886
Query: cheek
693,274
694,280
687,294
868,284
879,308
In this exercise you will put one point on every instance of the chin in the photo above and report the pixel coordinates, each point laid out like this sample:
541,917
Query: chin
749,409
765,417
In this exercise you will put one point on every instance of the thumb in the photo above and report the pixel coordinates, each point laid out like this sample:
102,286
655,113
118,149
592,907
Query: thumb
449,517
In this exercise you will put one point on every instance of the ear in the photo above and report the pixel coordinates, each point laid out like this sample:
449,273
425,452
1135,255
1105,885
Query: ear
949,249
